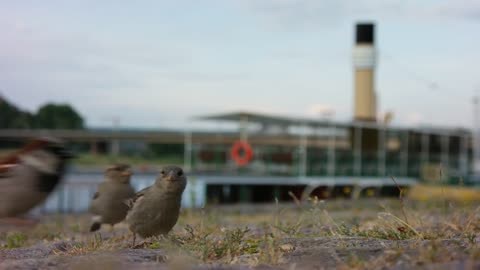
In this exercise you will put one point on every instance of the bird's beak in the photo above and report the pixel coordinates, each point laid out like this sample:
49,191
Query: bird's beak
170,177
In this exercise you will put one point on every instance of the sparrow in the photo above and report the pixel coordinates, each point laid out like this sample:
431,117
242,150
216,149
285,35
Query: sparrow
28,176
154,210
108,204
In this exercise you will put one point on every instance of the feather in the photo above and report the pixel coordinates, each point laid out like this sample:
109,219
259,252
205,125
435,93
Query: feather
95,226
138,196
5,169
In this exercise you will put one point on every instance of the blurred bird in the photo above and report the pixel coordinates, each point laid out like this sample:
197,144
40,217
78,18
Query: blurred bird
28,176
108,204
154,210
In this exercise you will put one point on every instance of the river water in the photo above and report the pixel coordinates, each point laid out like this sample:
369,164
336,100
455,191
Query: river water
77,189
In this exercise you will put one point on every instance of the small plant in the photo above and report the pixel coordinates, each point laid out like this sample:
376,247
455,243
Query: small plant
471,238
401,199
90,245
16,240
270,253
226,245
231,244
154,245
76,228
288,228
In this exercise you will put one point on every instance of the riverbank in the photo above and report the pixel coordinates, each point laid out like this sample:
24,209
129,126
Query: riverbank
337,234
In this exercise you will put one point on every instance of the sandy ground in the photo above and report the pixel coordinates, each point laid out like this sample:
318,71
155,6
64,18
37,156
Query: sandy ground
367,234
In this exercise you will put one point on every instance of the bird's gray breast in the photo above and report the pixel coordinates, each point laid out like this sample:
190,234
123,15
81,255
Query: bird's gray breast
155,214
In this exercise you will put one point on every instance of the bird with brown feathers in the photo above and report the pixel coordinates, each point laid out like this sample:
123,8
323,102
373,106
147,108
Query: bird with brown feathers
108,205
28,176
155,210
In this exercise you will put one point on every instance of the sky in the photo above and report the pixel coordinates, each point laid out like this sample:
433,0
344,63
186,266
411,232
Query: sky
157,64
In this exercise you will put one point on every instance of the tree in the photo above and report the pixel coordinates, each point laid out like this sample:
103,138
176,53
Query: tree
58,116
49,116
13,117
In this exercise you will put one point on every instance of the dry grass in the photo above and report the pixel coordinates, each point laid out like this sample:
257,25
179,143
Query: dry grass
247,235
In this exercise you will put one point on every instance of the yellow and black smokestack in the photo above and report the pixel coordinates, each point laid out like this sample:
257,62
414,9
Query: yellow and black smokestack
364,61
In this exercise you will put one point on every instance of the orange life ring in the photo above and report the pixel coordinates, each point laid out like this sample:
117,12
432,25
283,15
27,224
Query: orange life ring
241,152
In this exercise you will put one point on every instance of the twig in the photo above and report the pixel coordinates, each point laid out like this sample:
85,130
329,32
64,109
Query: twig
445,204
295,199
400,197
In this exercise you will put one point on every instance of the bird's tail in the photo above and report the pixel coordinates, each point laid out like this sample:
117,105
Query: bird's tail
96,223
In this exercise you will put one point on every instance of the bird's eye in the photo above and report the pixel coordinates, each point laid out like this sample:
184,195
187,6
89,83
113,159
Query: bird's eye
180,173
162,172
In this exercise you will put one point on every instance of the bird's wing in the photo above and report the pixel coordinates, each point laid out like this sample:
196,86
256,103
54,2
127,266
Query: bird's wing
101,189
8,162
138,196
31,146
5,169
95,205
